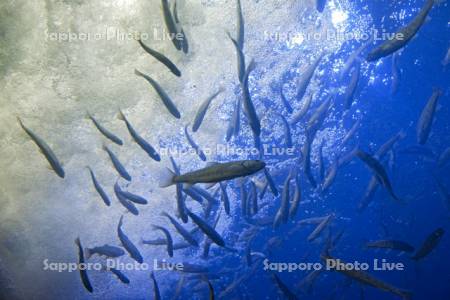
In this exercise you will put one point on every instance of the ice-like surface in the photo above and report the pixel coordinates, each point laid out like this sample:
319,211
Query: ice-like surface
51,82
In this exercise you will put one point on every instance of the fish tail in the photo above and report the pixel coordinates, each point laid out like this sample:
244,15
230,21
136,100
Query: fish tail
167,178
138,73
121,115
88,115
77,241
20,122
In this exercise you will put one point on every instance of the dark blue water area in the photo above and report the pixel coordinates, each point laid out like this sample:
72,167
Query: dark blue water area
413,177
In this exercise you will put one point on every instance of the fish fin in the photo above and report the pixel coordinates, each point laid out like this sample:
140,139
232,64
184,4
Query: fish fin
138,73
120,115
209,185
167,178
211,163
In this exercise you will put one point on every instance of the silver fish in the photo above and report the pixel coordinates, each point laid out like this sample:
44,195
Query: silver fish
99,188
202,110
302,112
105,131
127,244
168,103
305,79
161,58
215,172
426,118
117,164
83,273
140,140
181,230
45,150
194,145
403,36
207,229
169,239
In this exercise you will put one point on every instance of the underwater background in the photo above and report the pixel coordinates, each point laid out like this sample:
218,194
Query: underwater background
60,60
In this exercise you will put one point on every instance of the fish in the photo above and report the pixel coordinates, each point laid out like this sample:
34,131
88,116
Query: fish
105,250
207,229
444,157
133,197
124,201
320,5
244,198
161,58
378,170
249,108
318,116
204,194
321,163
391,244
215,172
284,288
45,150
395,74
306,154
355,56
224,198
331,176
253,199
305,79
181,205
285,101
307,282
181,230
351,89
139,139
170,25
365,277
211,290
296,199
234,124
426,117
387,146
156,293
283,212
208,242
202,110
402,36
429,244
302,112
108,134
271,182
287,131
240,26
99,188
83,273
120,275
117,164
369,193
168,103
240,59
183,40
318,230
127,244
194,145
193,194
446,59
169,239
